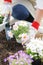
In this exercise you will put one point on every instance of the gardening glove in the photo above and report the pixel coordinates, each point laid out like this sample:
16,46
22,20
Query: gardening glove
34,29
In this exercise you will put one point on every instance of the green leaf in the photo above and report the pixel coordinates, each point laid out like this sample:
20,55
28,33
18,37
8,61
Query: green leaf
1,19
28,51
20,30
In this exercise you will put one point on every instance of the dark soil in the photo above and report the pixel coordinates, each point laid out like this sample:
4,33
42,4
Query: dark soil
7,47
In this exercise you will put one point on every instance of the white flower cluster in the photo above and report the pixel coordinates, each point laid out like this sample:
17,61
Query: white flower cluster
10,34
36,46
21,23
24,37
15,27
22,34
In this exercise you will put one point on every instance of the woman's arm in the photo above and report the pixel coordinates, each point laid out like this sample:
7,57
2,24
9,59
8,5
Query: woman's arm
39,15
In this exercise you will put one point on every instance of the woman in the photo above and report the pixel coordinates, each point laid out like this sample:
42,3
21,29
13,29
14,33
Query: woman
38,16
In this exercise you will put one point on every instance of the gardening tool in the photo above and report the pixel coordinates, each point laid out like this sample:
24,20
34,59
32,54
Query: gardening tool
8,33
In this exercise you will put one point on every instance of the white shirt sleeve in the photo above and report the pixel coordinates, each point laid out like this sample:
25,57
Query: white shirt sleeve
39,4
5,9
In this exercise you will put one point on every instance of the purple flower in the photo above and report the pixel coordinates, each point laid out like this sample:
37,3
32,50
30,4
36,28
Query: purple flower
5,59
16,62
20,57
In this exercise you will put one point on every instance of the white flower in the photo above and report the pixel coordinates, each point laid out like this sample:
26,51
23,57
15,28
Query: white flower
25,37
17,23
20,36
31,55
41,53
15,27
23,23
35,45
32,47
10,34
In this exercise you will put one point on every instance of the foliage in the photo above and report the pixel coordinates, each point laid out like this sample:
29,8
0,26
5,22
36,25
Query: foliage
19,58
1,19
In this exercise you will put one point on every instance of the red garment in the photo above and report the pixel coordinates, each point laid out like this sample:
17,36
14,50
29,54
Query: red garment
10,1
35,24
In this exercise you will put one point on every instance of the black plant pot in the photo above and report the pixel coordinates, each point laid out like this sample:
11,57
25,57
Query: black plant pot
37,62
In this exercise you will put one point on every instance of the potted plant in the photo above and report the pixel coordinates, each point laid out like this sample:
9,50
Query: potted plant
21,31
19,58
35,49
